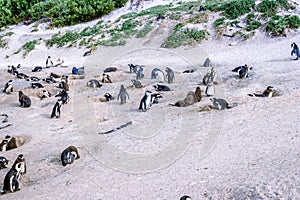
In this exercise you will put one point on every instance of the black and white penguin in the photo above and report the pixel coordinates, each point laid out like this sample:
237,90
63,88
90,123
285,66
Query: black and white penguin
69,155
242,70
160,88
45,94
33,78
132,68
64,96
210,89
185,197
220,104
269,92
64,85
136,84
8,143
146,101
12,179
155,97
21,75
158,74
56,109
8,88
37,69
55,76
36,85
87,53
106,78
93,83
21,160
295,50
49,62
110,69
49,80
3,162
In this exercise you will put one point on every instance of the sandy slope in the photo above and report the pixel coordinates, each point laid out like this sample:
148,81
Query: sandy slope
247,152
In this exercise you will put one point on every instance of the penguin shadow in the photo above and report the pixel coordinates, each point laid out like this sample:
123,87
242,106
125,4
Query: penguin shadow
47,104
282,60
47,115
55,160
15,105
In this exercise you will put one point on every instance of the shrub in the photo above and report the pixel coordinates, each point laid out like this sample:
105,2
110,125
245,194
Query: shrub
184,37
120,3
232,9
144,31
292,21
253,25
219,22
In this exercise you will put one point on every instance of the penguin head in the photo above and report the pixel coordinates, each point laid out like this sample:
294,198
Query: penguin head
148,92
270,87
18,167
185,197
7,137
108,96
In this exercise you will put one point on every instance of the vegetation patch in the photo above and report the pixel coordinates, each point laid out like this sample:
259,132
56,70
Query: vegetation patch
184,36
278,24
144,31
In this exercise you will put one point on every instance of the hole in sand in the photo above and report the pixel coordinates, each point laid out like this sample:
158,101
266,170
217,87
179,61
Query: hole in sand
12,142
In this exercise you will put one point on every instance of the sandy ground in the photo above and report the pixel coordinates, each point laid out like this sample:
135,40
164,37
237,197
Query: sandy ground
248,152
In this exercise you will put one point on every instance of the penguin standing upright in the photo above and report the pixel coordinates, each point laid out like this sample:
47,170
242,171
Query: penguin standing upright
49,62
11,180
295,50
8,87
56,109
210,89
145,102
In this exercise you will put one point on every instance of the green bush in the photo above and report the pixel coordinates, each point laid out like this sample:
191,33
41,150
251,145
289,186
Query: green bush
62,40
270,7
292,21
253,25
184,37
232,9
250,17
120,3
144,31
62,12
219,22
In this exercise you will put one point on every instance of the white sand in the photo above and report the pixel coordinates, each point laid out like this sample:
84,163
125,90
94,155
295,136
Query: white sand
247,152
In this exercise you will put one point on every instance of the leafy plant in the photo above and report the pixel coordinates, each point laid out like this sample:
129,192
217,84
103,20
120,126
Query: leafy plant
219,23
144,31
29,46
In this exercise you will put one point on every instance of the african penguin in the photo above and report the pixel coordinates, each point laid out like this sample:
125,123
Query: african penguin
8,88
56,109
242,70
69,155
295,50
269,92
3,162
146,101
